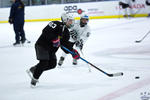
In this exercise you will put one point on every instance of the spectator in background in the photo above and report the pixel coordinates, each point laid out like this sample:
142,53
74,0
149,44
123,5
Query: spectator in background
17,19
126,5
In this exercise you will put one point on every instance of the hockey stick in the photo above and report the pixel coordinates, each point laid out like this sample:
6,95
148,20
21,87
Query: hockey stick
110,75
138,41
87,63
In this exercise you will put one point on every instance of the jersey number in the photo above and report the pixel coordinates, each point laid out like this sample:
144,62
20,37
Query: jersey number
73,34
52,25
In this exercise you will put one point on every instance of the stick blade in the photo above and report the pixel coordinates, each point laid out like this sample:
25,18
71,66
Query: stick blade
115,74
138,41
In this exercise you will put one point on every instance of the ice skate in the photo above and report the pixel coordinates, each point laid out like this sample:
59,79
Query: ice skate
23,41
61,61
16,44
74,62
33,82
30,72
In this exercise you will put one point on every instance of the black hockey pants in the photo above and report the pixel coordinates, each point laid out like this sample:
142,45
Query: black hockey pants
47,61
42,66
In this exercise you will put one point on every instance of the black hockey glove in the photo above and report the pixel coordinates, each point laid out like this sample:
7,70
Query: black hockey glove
79,44
75,54
10,20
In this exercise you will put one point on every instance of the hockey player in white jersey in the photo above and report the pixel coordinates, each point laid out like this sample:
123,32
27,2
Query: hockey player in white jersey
125,4
79,34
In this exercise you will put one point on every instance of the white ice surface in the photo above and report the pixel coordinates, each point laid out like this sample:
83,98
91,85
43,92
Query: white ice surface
111,47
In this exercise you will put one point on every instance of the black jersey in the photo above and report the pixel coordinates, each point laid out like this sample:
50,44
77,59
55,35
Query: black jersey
52,31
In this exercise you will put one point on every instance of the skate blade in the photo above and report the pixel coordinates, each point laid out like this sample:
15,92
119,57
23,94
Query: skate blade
32,86
29,74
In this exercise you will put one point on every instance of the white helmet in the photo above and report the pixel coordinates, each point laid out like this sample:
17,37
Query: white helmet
65,17
84,16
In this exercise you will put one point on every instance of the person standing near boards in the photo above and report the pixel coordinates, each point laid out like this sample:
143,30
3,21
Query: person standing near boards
17,19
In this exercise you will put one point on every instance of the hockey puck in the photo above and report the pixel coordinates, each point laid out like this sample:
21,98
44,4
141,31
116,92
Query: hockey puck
137,77
122,74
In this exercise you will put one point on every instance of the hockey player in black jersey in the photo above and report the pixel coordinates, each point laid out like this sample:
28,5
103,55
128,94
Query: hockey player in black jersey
53,35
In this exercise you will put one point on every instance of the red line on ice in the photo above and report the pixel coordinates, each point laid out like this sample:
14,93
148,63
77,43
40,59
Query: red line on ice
126,90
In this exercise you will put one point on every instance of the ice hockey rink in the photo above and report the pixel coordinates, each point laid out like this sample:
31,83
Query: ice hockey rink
111,47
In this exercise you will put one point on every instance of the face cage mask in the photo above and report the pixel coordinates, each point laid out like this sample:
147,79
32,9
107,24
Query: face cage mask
83,24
